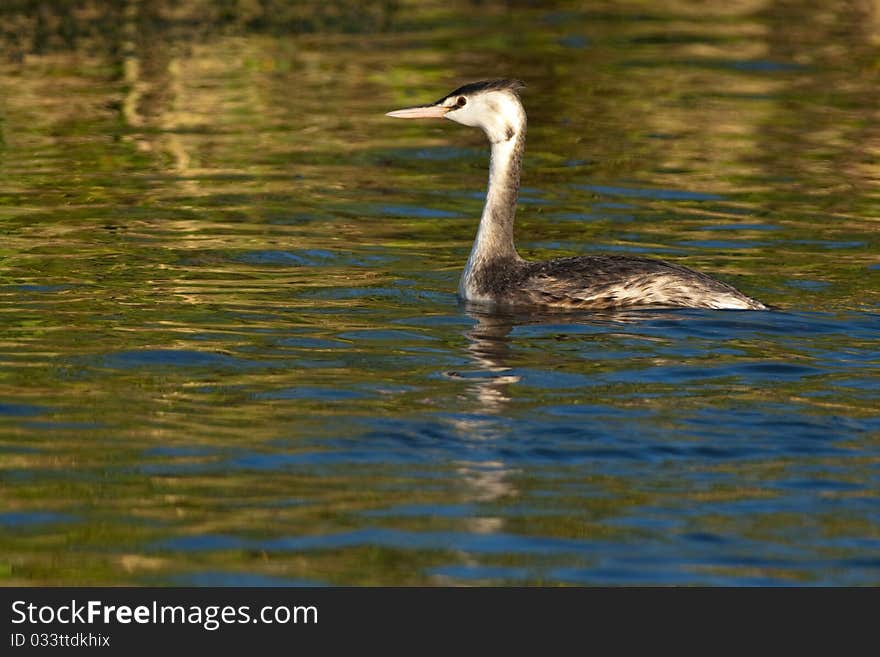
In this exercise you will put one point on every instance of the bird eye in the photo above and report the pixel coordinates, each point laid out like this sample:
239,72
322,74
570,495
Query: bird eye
461,102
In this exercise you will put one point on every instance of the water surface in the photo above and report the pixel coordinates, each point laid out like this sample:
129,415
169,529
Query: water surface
231,350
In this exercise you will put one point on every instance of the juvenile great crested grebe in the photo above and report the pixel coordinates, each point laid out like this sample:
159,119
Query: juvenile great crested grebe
496,274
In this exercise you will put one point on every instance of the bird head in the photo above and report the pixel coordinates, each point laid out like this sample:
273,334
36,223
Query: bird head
492,105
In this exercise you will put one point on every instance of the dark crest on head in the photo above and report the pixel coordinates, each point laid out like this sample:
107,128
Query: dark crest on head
498,84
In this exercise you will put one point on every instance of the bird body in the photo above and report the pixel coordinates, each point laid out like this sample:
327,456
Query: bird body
495,274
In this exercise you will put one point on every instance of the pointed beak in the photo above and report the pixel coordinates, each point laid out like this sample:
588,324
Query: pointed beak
420,112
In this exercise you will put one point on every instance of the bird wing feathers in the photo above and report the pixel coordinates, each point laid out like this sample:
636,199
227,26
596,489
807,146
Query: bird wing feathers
614,281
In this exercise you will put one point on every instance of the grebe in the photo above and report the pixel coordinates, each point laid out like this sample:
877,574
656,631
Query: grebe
496,274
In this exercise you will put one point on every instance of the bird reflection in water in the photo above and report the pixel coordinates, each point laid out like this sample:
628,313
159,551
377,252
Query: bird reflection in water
483,422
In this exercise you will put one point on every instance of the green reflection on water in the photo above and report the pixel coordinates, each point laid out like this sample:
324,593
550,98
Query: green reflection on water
155,155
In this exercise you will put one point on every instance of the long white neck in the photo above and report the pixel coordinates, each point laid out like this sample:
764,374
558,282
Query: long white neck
494,239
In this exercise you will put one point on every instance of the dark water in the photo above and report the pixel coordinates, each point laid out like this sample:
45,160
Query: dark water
231,350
